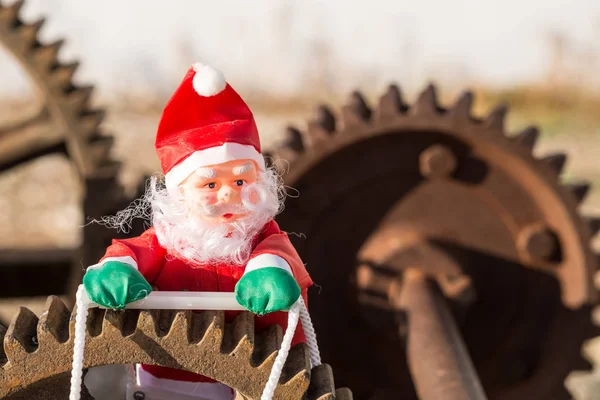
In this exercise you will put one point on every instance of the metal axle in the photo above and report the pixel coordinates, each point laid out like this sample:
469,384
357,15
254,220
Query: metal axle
437,356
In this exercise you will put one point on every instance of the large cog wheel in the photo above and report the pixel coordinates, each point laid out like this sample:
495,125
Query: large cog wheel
65,122
37,353
436,188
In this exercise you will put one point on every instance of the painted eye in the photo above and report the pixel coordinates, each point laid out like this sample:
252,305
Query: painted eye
239,182
211,185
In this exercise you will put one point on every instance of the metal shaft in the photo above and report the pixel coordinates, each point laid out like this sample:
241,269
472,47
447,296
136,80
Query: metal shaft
437,356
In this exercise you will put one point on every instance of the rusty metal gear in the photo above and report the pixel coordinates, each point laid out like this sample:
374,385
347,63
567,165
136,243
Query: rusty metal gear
65,123
585,384
438,189
37,354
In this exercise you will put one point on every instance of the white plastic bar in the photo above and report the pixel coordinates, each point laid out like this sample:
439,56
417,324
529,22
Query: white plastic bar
185,301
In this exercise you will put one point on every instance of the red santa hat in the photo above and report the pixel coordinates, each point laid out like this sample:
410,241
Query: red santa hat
205,123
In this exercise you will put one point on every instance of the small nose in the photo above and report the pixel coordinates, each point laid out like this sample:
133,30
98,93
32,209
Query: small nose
226,194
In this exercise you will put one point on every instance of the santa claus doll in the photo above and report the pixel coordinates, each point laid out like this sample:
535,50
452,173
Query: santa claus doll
212,223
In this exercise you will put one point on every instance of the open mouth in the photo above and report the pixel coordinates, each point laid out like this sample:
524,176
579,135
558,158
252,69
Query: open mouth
228,215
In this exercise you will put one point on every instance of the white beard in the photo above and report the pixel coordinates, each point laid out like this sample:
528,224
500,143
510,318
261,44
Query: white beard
202,242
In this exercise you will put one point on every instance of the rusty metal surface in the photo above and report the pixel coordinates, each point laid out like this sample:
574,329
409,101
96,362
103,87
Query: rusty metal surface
439,361
37,354
64,123
585,384
399,185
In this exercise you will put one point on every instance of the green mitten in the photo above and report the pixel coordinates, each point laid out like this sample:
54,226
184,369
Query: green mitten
115,284
266,290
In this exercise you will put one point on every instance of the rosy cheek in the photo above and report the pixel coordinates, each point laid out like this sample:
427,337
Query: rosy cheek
207,198
200,197
253,197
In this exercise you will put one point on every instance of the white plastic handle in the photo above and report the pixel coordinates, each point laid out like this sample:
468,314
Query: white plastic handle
185,301
194,301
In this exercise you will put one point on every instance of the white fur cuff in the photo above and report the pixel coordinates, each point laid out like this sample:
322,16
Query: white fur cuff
267,260
125,259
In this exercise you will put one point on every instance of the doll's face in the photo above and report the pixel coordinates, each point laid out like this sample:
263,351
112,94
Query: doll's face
214,193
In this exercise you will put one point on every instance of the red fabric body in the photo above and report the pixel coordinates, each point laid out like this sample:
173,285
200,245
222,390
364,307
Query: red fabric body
191,122
168,272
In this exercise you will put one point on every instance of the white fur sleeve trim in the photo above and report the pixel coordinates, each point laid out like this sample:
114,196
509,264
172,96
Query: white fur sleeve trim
125,259
267,260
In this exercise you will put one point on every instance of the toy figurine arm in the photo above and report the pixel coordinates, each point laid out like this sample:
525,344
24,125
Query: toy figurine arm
276,250
274,277
144,253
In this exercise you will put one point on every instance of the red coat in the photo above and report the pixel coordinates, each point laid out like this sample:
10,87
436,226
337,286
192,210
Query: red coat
168,272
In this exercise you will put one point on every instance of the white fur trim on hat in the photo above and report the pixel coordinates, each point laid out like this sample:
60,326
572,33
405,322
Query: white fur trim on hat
213,155
207,81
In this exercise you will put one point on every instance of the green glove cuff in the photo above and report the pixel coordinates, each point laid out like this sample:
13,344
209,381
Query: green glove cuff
266,290
115,284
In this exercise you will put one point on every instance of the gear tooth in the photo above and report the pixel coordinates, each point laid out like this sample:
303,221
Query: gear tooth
10,14
315,133
556,162
343,394
210,329
297,366
359,105
99,148
79,98
324,118
29,32
594,225
293,140
54,322
181,327
62,75
205,325
578,190
238,337
120,322
95,321
321,385
527,137
268,156
427,102
266,345
163,321
146,323
290,148
46,55
390,104
356,112
21,336
90,121
106,169
495,120
463,106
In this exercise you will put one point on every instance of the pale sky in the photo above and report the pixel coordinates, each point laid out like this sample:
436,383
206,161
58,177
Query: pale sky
143,47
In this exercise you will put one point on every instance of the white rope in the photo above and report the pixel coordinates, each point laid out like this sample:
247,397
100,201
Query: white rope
311,336
297,312
82,304
286,344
